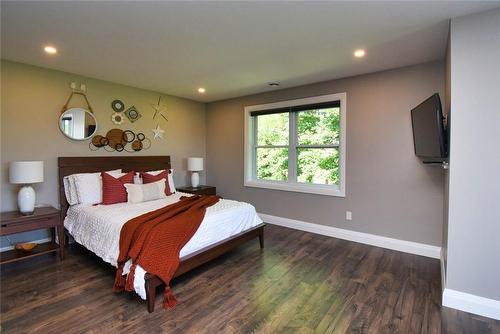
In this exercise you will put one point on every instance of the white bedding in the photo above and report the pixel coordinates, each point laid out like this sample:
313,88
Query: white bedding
98,227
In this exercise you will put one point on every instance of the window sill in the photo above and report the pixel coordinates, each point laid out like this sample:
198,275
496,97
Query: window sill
328,190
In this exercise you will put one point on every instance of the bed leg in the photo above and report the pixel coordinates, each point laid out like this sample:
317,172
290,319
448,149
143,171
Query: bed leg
261,238
150,296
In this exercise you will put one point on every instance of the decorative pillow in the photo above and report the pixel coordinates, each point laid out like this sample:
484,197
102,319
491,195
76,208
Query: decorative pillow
89,186
149,178
171,184
138,193
113,189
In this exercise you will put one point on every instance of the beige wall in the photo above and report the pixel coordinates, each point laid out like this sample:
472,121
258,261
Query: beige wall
32,98
389,191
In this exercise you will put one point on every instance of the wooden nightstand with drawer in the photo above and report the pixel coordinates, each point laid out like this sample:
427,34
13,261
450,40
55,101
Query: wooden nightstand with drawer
43,217
200,190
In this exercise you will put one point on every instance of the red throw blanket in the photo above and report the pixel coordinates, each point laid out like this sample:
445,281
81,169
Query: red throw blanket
154,240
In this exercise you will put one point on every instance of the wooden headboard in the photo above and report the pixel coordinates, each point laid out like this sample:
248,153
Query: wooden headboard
72,165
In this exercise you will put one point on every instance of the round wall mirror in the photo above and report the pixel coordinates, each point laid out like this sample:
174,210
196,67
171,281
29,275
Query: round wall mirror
78,124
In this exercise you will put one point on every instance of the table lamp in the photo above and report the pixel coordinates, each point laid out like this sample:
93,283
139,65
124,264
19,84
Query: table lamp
195,165
26,173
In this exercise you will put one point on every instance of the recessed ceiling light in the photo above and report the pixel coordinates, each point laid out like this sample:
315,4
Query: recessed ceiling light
201,90
50,49
274,83
359,53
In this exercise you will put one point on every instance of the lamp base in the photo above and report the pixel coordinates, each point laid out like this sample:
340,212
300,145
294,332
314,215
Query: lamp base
28,213
26,200
195,179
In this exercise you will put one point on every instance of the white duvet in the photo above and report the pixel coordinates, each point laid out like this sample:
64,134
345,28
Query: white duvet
98,227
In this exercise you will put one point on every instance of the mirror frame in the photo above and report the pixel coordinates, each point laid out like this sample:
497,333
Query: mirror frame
86,111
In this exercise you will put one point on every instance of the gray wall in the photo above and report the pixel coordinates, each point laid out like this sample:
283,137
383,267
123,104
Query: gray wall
390,192
446,105
32,99
474,185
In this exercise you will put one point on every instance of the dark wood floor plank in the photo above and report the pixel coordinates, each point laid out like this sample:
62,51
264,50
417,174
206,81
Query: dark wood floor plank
300,283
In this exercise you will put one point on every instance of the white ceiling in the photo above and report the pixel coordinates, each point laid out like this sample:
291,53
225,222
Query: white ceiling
230,48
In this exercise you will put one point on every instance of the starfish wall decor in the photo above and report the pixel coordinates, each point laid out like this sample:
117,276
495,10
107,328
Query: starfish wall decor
159,108
158,132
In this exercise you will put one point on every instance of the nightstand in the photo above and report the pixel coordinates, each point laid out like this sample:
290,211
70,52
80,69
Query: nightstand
200,190
43,217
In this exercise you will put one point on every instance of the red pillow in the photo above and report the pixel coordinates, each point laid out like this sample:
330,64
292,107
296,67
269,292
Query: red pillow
113,189
148,178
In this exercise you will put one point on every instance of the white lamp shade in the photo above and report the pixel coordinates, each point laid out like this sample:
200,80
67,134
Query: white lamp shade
26,172
195,164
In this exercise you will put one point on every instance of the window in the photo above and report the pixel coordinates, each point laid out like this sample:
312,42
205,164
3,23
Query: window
297,145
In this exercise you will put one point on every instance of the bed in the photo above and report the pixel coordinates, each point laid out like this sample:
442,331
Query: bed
226,225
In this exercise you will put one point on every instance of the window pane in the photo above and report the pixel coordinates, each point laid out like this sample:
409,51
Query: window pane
272,129
318,165
316,127
272,164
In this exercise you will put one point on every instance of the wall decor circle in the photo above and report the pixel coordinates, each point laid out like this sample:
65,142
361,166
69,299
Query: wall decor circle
99,141
129,136
117,105
137,145
146,143
120,140
119,147
115,137
117,118
104,141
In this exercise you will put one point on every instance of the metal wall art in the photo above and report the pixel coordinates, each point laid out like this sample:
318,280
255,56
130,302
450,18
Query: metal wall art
132,114
117,118
158,132
120,140
159,108
117,105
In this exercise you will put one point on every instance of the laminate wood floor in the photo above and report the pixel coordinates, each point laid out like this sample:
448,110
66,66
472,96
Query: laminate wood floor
300,283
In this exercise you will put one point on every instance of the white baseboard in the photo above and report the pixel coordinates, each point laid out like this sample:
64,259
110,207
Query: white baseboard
6,248
471,303
364,238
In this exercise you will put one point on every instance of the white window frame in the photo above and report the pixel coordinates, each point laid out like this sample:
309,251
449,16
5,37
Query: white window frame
250,179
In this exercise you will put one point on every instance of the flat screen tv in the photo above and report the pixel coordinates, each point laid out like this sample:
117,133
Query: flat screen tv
429,133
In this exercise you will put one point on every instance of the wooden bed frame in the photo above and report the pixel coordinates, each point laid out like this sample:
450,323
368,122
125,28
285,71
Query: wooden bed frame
72,165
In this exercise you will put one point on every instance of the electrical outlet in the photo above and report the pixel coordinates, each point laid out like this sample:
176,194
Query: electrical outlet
348,215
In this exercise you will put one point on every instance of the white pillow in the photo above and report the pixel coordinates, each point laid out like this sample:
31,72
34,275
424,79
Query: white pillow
70,190
89,186
171,181
138,193
138,179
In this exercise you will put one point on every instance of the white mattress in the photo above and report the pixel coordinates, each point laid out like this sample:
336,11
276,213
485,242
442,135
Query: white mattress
98,227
